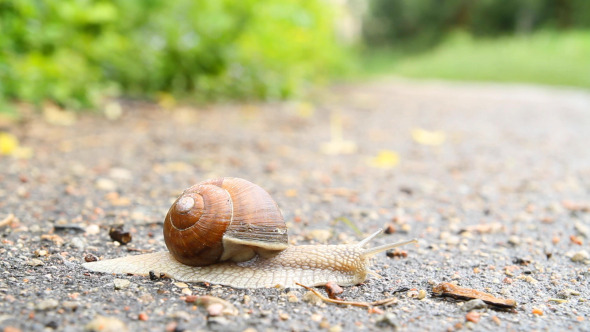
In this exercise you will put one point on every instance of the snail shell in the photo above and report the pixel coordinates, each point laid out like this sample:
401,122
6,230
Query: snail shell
251,249
224,219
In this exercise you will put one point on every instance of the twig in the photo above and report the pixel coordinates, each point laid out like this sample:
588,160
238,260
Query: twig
358,304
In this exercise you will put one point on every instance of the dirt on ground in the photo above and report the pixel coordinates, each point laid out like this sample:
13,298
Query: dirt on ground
493,180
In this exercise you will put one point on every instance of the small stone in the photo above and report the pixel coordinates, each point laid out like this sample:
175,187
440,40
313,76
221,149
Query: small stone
250,329
311,298
319,235
316,317
514,240
333,290
473,304
90,258
106,324
473,316
47,304
215,309
335,328
217,322
387,320
580,256
41,252
35,262
121,283
421,294
567,293
142,316
284,316
582,229
181,315
105,184
70,305
92,229
78,243
180,285
187,291
292,297
530,280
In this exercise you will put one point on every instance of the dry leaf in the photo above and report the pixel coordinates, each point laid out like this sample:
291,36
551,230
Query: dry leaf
427,137
166,100
385,159
305,110
8,143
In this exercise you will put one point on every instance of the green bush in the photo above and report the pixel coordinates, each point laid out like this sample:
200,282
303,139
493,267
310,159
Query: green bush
420,24
76,51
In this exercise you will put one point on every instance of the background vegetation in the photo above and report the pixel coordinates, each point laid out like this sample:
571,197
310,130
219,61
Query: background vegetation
76,52
536,41
73,52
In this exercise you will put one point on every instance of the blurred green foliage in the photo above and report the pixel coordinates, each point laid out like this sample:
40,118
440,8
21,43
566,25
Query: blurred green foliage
544,57
74,52
420,24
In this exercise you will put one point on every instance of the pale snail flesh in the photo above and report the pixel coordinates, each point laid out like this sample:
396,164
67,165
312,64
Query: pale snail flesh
248,266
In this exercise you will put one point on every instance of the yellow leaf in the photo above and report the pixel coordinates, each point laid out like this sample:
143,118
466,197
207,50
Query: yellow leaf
166,100
8,143
427,137
305,110
385,159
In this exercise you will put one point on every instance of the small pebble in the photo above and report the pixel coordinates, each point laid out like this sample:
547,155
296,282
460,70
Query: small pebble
580,256
514,240
582,229
473,316
319,235
47,304
473,304
70,305
90,258
215,309
106,324
35,262
333,290
335,328
142,316
387,320
292,297
311,298
78,243
121,283
105,184
567,293
180,285
284,316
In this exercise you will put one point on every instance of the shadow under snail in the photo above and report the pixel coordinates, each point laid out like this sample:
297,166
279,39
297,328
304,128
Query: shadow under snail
230,231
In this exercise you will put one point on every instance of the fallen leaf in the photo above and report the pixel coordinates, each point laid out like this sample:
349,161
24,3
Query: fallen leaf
166,100
448,289
385,159
427,137
8,143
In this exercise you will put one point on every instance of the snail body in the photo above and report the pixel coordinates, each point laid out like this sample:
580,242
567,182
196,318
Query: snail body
251,251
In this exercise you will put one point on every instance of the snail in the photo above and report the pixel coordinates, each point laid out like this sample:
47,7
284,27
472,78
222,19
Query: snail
230,231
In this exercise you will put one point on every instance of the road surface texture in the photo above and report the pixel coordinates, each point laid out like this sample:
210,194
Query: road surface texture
493,180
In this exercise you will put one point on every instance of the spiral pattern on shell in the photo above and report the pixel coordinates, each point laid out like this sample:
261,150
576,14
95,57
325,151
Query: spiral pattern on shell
224,219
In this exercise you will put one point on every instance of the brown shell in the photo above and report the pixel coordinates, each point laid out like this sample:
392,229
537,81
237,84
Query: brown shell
223,219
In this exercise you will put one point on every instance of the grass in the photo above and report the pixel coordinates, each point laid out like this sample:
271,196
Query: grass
551,58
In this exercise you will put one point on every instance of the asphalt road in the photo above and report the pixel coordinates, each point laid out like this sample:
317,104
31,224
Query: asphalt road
494,181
